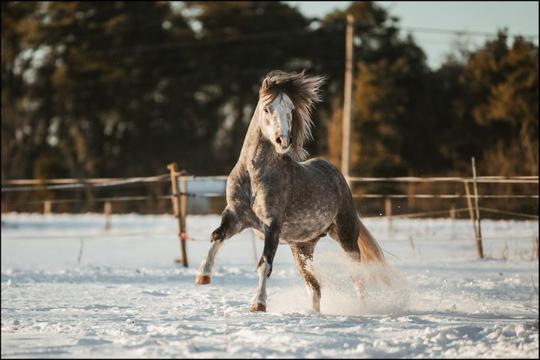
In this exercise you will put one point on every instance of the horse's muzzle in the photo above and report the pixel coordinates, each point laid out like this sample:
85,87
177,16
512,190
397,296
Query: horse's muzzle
283,141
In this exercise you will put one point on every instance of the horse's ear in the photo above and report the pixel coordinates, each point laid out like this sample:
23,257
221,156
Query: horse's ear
265,83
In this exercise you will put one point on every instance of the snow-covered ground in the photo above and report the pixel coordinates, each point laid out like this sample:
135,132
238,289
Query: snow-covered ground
72,289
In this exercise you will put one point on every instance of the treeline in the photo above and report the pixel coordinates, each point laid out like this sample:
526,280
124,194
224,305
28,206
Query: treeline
114,89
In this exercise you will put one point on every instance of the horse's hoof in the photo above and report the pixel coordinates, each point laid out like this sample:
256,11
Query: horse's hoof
202,279
257,307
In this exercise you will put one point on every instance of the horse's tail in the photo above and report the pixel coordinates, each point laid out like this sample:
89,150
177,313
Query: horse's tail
370,250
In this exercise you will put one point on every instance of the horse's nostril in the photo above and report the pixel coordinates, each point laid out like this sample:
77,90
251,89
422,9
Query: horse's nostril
278,140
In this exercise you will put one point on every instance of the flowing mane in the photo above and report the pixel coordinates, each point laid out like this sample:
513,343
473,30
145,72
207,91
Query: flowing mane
303,90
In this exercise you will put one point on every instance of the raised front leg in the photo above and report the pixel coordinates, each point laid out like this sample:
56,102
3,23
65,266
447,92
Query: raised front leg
204,274
230,225
264,268
303,257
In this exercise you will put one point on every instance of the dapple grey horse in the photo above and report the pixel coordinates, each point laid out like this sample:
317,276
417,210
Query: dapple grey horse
284,199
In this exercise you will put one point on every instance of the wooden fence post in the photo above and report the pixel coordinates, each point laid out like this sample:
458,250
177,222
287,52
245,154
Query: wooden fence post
469,203
479,247
388,212
107,209
452,211
175,199
411,190
47,206
183,202
470,206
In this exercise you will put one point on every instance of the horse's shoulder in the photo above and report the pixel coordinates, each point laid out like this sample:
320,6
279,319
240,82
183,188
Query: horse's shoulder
238,177
238,172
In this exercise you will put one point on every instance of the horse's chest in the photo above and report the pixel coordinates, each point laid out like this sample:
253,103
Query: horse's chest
267,205
269,195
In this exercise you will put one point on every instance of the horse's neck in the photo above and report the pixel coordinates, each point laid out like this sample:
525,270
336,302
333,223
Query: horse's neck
252,135
256,147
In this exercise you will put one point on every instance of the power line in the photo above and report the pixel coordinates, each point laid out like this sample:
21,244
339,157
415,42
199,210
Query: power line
190,75
211,42
242,38
463,32
169,49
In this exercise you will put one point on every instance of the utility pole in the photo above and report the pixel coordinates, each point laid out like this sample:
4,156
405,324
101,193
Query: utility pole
347,96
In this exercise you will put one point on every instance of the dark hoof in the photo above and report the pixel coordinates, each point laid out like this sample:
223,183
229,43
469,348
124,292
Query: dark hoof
202,279
257,308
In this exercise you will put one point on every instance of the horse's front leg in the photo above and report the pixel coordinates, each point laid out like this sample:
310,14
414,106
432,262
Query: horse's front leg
230,225
264,268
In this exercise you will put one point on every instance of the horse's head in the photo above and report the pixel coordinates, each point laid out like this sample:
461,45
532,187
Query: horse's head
285,102
275,121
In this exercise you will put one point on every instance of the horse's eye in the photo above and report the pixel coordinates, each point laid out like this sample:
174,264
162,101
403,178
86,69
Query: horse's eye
266,110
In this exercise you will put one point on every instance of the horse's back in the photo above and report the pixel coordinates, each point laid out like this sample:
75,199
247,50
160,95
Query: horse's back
339,194
324,173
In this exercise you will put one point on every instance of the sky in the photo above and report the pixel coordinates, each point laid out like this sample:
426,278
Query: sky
421,17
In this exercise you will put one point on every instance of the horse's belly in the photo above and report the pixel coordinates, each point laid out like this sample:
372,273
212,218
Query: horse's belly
305,218
291,232
299,231
307,225
303,223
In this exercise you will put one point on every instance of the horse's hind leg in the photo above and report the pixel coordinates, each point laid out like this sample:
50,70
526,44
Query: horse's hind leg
303,257
230,225
346,235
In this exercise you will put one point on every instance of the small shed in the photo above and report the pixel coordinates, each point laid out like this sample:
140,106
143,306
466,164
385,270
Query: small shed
209,194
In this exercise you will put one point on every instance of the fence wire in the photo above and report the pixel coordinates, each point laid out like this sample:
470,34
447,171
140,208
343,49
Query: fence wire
21,185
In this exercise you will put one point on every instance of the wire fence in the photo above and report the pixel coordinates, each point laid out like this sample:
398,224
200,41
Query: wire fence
479,179
179,193
443,196
29,185
80,184
103,182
